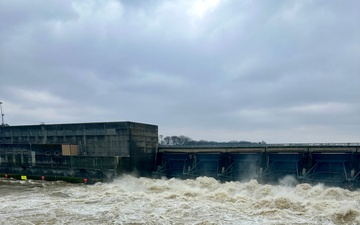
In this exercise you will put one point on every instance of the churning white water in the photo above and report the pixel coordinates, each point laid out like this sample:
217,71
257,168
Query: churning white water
130,200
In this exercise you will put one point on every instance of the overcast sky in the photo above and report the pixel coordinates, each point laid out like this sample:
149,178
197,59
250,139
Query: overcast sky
223,70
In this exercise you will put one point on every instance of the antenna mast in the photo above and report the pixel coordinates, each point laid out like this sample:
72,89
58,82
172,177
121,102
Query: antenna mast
2,115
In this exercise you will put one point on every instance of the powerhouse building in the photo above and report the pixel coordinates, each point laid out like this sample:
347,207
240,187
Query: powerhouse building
102,149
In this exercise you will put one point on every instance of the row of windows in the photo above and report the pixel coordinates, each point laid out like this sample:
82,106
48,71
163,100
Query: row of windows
62,138
102,132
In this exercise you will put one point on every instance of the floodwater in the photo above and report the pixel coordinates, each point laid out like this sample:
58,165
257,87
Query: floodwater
130,200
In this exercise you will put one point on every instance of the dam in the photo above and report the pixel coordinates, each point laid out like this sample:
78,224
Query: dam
333,164
102,151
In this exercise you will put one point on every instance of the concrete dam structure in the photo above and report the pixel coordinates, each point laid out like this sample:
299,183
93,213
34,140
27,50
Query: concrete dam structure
95,151
334,164
101,151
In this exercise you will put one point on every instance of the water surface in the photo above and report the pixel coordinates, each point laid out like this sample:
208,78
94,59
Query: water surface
130,200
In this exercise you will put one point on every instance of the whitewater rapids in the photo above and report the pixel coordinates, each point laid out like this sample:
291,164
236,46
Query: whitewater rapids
130,200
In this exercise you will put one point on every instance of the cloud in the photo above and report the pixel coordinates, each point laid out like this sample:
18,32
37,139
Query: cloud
208,69
35,96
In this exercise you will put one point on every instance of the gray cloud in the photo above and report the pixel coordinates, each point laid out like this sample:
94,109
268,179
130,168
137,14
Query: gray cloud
216,70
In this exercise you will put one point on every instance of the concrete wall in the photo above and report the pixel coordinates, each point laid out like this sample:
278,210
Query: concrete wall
143,147
264,148
134,143
94,139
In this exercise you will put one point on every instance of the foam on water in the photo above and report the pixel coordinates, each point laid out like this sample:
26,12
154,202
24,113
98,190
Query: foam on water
130,200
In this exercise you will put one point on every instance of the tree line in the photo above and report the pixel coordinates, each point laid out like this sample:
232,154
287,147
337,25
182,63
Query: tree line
184,140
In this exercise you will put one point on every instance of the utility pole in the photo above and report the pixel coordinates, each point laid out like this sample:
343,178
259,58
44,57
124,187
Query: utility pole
2,115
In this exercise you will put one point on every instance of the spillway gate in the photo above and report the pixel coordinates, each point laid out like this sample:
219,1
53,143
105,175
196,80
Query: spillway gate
326,163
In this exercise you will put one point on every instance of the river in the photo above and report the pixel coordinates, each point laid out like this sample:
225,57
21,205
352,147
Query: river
131,200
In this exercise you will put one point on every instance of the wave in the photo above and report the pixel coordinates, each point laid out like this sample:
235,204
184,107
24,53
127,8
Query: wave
203,200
